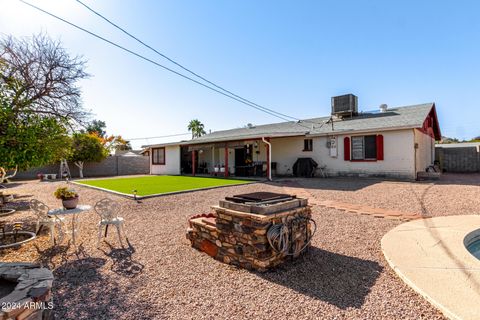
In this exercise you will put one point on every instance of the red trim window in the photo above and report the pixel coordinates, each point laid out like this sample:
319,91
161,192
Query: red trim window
366,148
158,155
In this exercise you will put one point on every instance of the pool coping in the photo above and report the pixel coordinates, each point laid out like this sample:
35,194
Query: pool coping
133,197
431,257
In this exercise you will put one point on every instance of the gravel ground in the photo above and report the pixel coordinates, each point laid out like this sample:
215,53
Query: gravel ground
454,194
159,276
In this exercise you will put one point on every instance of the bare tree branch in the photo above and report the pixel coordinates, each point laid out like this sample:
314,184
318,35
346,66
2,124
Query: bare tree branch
42,77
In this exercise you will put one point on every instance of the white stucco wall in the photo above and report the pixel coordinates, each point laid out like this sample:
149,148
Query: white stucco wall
398,156
172,162
425,153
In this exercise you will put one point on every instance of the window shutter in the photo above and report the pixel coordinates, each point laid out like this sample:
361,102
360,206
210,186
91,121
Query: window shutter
346,149
379,147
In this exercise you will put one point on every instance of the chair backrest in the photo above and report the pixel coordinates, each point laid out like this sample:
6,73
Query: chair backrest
106,208
40,208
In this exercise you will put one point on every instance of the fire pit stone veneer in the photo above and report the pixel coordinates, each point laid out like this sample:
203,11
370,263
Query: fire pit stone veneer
240,238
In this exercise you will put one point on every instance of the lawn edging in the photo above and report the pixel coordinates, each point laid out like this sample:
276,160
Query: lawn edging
131,196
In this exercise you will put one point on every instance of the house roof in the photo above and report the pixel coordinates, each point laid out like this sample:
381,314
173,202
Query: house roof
406,117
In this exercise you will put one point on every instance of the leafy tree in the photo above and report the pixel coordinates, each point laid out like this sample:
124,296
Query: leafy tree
446,140
98,127
29,141
39,100
113,143
87,147
197,128
120,144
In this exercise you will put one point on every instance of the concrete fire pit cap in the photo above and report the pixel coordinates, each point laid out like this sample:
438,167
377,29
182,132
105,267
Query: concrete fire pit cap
259,217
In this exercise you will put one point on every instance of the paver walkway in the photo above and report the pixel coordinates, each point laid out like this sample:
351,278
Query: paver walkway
376,212
294,187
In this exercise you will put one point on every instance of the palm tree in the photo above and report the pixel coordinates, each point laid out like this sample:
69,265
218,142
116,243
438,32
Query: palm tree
197,128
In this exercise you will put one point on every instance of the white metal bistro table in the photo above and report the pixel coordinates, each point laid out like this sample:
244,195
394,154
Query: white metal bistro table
65,212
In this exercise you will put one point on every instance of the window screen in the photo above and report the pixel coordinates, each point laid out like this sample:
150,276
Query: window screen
364,147
357,148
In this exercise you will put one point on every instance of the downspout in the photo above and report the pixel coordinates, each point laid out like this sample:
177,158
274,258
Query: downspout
414,155
269,160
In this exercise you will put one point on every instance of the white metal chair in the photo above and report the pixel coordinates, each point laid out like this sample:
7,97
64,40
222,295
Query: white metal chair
322,169
107,210
43,219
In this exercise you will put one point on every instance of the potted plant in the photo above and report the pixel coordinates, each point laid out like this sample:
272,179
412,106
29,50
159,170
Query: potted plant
69,197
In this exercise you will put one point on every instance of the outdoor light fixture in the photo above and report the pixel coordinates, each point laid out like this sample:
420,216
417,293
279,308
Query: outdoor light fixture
2,227
134,194
17,226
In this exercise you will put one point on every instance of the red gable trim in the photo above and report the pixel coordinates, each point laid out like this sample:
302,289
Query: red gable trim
430,125
436,127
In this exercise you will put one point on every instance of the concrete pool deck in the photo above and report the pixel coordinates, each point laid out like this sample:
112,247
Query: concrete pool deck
431,257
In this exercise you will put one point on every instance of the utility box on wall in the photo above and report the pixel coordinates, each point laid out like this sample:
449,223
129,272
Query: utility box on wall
333,146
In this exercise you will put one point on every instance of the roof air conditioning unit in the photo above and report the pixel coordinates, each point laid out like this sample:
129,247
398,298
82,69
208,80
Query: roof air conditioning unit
346,105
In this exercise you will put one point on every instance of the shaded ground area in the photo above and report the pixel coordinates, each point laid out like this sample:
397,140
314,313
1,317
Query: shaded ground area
343,281
159,276
6,287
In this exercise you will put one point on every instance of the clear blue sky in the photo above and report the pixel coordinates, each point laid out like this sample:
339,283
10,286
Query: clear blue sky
291,56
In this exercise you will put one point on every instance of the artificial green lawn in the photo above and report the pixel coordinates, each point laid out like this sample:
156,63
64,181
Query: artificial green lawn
160,184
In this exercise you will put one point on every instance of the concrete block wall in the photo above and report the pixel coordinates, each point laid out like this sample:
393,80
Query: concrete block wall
111,166
461,159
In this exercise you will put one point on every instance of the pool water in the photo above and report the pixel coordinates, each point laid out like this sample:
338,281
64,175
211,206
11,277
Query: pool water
474,248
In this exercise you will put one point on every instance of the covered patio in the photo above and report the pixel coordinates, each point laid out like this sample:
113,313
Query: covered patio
239,158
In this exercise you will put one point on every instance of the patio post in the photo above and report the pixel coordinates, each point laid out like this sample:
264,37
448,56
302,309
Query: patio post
268,145
193,162
213,159
226,161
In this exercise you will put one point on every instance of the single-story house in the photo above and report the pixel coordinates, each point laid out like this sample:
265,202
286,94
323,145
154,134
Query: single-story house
389,142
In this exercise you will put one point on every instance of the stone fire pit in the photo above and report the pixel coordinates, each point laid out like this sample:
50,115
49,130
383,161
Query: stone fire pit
25,291
245,230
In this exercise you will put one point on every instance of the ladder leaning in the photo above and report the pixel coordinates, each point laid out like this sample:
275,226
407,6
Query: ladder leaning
64,170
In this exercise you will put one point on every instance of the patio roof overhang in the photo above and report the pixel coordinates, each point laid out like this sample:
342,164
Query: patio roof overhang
226,144
235,141
230,141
